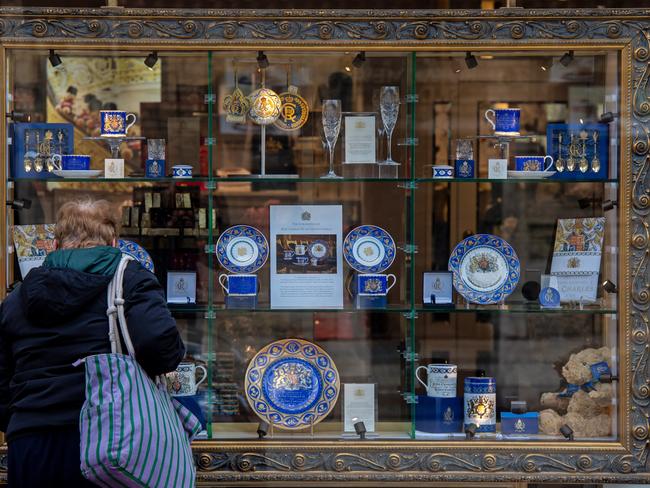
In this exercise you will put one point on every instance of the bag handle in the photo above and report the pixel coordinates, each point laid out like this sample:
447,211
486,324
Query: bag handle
115,310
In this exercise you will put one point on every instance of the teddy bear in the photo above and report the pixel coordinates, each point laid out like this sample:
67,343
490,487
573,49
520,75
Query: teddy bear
585,405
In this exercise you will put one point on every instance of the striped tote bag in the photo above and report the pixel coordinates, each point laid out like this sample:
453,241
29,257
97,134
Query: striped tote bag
133,433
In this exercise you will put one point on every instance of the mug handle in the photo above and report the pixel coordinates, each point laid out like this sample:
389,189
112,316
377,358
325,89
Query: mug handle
223,275
128,126
492,123
205,374
417,376
394,281
550,164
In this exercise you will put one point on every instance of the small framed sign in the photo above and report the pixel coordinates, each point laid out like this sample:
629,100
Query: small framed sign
181,287
437,288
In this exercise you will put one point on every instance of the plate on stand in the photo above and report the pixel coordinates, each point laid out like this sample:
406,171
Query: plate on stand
369,249
242,249
485,269
292,384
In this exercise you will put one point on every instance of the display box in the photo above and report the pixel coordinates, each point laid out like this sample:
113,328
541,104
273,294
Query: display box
181,287
582,149
439,415
33,143
519,423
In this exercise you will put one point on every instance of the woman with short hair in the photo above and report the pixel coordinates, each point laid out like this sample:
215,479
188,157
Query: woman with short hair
58,316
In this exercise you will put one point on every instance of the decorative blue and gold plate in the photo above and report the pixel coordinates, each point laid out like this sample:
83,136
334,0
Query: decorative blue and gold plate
369,249
292,384
137,252
318,249
485,269
242,249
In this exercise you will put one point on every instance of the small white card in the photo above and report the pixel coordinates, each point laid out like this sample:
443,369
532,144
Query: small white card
181,287
360,139
113,168
359,406
497,169
438,285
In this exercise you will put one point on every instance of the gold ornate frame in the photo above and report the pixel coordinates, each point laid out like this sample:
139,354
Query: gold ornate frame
624,30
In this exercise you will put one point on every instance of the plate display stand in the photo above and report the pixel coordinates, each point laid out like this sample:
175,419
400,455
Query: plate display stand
114,143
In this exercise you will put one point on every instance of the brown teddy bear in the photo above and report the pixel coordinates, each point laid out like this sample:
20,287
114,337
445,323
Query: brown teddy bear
586,404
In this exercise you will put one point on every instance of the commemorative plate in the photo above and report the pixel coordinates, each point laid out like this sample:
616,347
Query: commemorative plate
369,249
485,269
242,249
137,252
318,249
292,384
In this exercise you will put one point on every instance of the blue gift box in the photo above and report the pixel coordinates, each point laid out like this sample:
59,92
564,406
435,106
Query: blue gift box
598,148
155,168
439,415
58,137
519,423
464,168
241,302
366,302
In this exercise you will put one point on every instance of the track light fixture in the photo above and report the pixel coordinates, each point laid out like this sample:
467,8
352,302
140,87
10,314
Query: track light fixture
567,432
19,116
566,59
610,287
360,429
359,59
470,431
262,429
151,60
20,204
262,60
470,60
609,205
608,117
55,59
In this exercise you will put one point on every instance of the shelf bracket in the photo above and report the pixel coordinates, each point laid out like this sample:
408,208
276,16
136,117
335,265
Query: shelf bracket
409,141
210,314
410,398
209,98
209,248
408,185
410,315
409,248
210,141
211,185
412,98
409,355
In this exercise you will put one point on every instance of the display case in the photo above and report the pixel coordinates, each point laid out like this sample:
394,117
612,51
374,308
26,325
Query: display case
399,245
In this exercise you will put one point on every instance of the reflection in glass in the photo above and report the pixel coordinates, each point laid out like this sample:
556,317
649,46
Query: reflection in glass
331,128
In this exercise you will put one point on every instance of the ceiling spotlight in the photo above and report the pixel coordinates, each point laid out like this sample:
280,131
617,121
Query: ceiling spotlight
546,64
151,60
359,59
55,59
20,204
609,205
609,286
470,431
608,117
470,60
567,432
360,429
262,429
19,116
566,59
262,60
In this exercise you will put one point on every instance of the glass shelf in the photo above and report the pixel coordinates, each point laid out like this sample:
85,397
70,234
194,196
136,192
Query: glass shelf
266,308
512,180
516,307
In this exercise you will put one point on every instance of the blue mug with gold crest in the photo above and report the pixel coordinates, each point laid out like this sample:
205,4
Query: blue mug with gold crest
375,284
506,121
240,285
115,123
533,163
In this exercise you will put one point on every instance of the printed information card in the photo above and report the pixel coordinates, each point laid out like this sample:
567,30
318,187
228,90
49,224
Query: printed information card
360,139
306,256
358,406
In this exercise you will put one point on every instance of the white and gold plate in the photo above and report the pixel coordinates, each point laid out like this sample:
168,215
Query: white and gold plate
485,269
242,249
530,174
369,249
292,384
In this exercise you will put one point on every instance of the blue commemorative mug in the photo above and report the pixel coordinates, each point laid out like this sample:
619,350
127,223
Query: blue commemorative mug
533,163
480,403
506,121
115,123
375,284
242,285
76,162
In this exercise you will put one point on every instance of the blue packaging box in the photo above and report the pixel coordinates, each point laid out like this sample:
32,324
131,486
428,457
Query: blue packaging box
592,137
55,138
519,423
439,415
464,168
155,168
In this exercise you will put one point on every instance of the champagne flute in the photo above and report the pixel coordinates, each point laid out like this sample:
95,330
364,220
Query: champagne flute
331,128
389,106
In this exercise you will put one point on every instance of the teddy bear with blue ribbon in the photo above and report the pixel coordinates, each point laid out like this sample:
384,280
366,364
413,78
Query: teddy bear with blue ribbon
585,404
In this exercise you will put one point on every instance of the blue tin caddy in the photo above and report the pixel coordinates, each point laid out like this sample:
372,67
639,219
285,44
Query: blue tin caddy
29,140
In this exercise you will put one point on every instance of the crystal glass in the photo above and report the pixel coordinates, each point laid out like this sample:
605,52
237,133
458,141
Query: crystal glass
156,149
331,129
389,106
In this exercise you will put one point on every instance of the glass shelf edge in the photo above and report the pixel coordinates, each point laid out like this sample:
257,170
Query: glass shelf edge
511,180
